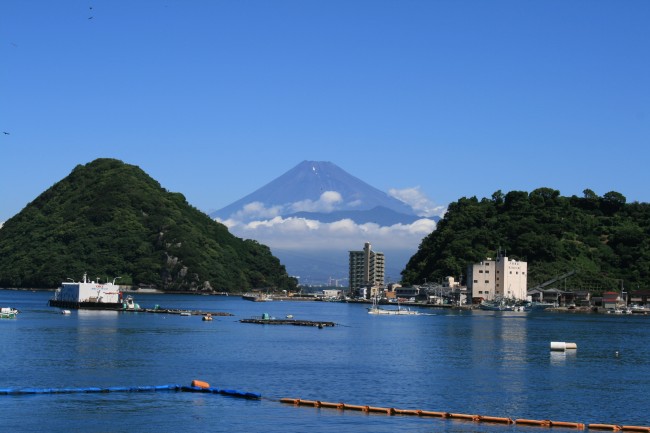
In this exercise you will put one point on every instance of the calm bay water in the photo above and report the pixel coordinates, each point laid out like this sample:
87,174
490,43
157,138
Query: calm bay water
485,363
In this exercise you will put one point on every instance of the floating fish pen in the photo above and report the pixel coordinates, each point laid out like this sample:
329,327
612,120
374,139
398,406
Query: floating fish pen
268,320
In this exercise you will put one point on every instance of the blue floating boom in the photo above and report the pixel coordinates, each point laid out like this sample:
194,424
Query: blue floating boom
156,388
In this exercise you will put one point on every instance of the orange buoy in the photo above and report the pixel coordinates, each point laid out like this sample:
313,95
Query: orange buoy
542,423
575,425
331,405
200,384
354,407
463,416
407,412
433,413
612,427
289,400
496,419
386,410
636,428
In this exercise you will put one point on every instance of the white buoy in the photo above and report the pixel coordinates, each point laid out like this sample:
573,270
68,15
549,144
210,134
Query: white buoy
561,346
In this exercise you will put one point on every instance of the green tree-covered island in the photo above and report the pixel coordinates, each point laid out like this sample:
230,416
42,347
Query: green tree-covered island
111,219
604,239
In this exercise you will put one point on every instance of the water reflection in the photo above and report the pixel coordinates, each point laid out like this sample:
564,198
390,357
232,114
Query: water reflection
561,357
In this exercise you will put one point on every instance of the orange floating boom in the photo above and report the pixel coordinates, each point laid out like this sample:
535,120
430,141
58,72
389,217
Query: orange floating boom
611,427
635,428
496,419
463,416
565,424
541,423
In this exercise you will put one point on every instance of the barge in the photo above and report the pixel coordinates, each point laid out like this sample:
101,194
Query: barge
266,319
91,295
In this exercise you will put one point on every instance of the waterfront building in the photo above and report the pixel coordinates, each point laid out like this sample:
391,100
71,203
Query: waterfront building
331,293
366,272
500,278
613,300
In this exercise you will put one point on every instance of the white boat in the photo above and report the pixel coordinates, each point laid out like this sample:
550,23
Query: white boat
376,309
539,306
129,304
618,310
496,305
8,313
91,295
502,304
257,297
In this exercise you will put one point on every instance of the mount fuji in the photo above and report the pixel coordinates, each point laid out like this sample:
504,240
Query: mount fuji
313,214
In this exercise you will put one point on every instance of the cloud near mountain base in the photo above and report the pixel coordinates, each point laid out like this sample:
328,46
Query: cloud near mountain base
421,204
304,234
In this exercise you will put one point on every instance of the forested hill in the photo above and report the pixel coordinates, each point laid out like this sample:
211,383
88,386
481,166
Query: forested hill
604,238
111,219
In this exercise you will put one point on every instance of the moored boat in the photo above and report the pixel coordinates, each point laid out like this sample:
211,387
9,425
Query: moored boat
257,297
8,313
502,304
91,295
539,306
376,309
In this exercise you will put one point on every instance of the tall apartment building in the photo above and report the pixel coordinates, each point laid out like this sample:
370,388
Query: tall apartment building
366,271
500,278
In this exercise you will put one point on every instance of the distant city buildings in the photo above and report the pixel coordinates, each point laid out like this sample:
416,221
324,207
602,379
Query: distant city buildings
366,272
500,278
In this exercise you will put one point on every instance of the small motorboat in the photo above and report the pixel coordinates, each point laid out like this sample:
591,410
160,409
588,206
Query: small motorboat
8,313
66,312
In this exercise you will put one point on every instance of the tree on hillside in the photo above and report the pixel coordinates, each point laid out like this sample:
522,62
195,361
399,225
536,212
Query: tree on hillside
604,238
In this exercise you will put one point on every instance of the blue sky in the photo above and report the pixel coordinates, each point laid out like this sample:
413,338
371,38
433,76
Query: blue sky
216,98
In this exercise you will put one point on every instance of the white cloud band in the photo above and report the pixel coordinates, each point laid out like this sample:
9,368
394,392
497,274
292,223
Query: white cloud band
305,234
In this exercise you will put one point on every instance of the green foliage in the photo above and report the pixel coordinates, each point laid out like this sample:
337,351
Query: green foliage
111,219
606,240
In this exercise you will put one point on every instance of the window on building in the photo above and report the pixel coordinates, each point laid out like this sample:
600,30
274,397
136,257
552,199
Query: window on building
480,272
487,281
476,281
487,272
